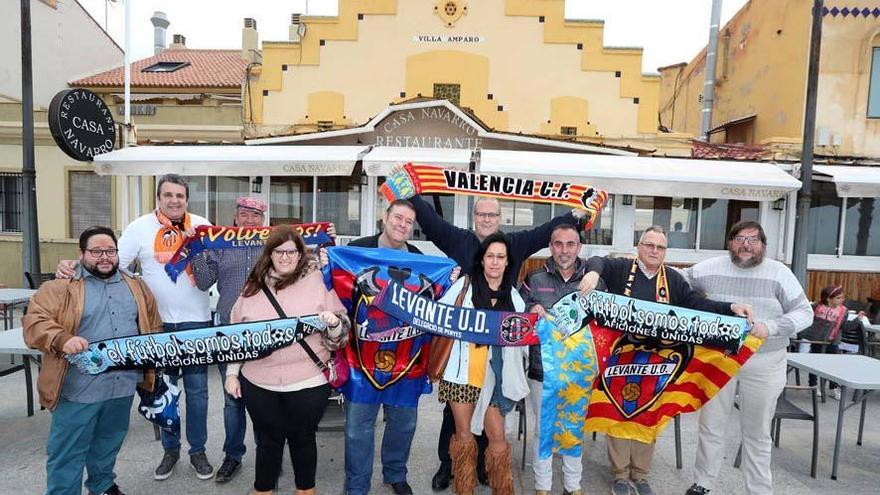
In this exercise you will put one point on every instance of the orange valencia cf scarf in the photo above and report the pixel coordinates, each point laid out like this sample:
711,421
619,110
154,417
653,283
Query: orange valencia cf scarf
425,179
169,238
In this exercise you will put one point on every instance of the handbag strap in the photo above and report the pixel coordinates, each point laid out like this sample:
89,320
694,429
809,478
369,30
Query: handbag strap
305,345
464,290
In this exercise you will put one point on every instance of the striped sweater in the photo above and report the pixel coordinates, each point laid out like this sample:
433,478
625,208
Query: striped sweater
776,296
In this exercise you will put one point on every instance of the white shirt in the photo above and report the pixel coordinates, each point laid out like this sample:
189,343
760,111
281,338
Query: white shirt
178,302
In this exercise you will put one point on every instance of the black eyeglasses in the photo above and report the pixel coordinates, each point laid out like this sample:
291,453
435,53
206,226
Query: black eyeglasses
751,240
97,253
290,253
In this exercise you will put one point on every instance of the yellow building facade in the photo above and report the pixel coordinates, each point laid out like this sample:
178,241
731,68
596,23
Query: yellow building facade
760,84
518,65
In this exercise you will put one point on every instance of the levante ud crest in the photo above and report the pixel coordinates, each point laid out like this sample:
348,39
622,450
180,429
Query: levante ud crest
388,358
639,369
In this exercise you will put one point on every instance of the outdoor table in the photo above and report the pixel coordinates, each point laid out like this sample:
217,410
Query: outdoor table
12,342
848,371
10,298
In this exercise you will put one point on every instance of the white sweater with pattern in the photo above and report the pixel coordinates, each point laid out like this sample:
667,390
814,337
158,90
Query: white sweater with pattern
776,296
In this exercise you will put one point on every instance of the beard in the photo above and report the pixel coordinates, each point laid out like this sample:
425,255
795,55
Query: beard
564,264
93,269
755,260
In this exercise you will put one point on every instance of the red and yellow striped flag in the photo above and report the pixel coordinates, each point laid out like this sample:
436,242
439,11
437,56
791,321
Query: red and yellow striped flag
654,380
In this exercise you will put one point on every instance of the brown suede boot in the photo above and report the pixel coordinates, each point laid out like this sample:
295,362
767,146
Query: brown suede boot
464,466
498,467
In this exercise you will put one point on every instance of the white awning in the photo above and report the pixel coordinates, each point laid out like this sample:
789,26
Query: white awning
381,159
858,181
230,160
647,176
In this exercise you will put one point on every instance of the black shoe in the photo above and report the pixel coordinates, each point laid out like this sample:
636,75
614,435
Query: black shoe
113,490
441,478
483,476
696,489
227,470
199,462
166,467
401,488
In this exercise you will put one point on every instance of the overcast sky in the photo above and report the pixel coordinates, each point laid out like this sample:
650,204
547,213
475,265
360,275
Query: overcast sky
670,31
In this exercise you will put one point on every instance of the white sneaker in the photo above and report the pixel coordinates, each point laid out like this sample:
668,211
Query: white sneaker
835,393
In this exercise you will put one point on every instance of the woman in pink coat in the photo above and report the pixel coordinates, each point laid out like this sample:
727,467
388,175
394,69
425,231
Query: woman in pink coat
286,393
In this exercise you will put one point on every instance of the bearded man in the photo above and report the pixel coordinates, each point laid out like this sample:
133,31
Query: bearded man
780,309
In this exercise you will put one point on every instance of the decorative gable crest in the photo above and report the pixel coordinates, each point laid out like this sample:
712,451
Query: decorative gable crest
450,11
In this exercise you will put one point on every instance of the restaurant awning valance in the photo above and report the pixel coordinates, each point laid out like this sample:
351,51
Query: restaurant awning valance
647,176
230,160
381,159
858,181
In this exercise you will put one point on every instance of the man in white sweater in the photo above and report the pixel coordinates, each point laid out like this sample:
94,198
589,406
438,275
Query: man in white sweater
780,310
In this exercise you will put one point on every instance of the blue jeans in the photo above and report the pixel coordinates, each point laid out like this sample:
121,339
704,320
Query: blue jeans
360,424
234,422
87,435
195,384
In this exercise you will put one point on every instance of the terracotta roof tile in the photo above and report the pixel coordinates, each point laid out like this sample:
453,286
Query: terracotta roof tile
206,69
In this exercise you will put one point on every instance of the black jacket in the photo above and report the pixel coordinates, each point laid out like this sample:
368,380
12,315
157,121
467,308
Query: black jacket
545,286
615,272
462,245
372,241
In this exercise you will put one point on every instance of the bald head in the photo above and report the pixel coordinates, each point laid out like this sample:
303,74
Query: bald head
487,217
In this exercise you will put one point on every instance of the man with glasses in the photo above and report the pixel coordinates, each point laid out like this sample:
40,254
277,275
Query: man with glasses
648,279
90,413
781,309
152,240
462,245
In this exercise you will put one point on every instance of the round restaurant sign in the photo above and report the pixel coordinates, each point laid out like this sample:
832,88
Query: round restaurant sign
81,124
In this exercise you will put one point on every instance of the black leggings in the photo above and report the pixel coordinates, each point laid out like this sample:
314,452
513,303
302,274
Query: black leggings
285,415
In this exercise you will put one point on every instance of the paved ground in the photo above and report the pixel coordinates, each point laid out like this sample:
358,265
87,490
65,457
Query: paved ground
22,456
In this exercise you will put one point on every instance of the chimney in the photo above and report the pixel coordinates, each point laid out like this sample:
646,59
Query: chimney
179,42
297,28
160,24
250,39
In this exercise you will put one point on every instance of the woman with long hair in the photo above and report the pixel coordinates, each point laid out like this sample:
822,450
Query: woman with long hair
484,383
286,393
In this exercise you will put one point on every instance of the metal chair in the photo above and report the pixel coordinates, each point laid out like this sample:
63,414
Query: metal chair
808,336
853,332
854,305
35,280
785,409
8,369
522,433
334,415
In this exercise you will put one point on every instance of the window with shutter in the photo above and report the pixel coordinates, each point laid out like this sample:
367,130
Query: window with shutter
90,200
